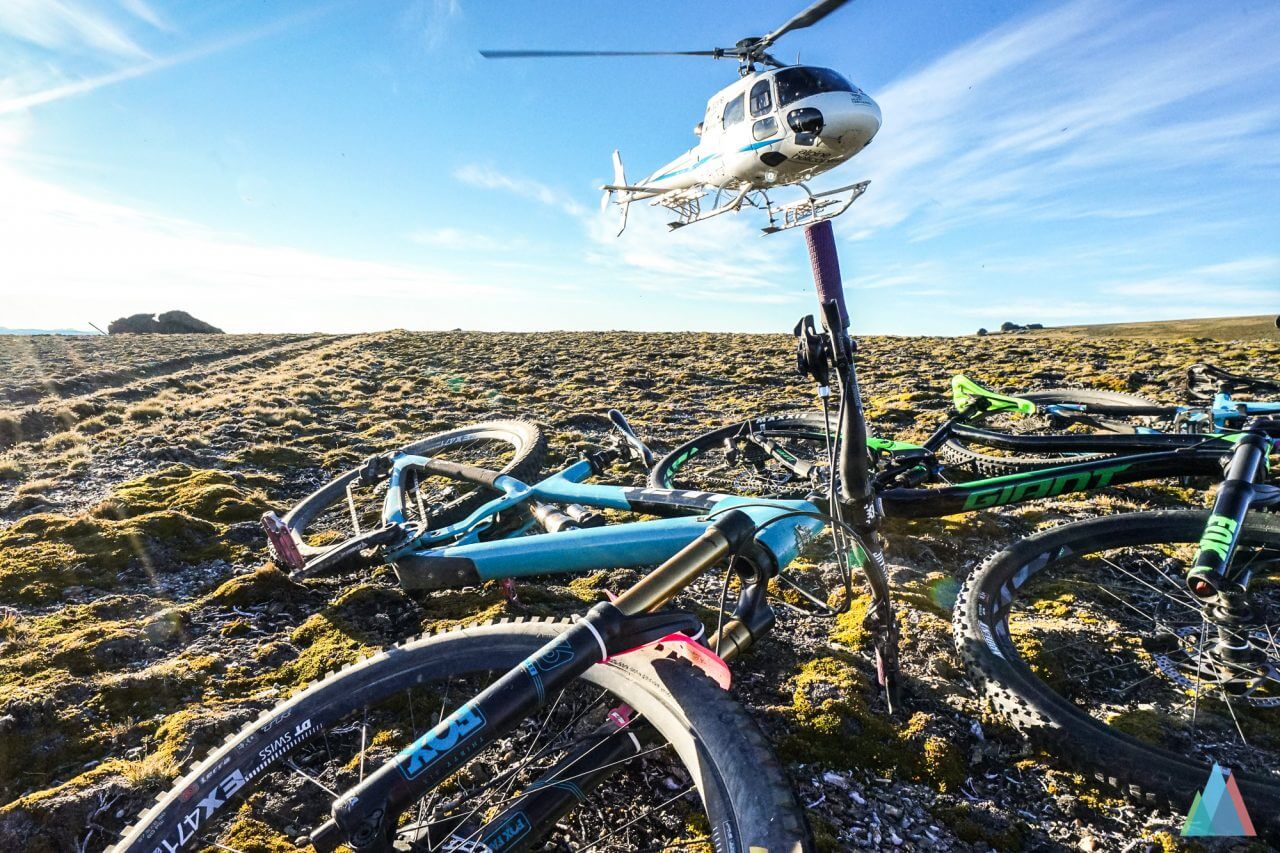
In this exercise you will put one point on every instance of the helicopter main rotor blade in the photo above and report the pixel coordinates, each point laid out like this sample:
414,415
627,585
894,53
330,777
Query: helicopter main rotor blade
807,18
525,54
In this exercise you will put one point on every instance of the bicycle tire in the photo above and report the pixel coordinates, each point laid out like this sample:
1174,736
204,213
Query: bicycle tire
957,453
749,802
671,471
528,449
999,670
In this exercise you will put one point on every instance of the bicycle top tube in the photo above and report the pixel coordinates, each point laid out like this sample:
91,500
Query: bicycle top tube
567,486
1225,407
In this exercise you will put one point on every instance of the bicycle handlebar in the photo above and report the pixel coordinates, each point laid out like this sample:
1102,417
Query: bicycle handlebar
470,473
826,267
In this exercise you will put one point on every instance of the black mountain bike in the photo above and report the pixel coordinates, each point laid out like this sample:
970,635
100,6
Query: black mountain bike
1142,646
1012,440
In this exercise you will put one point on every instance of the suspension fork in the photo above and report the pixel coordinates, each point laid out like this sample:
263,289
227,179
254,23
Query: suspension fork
365,817
1212,573
620,738
1213,578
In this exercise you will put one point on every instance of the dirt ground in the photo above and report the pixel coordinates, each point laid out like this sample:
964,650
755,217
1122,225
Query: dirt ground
141,621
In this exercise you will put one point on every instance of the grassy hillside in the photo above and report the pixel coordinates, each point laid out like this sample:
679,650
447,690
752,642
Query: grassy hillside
141,620
1259,328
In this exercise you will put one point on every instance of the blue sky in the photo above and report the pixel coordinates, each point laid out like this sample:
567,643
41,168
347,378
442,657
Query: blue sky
357,166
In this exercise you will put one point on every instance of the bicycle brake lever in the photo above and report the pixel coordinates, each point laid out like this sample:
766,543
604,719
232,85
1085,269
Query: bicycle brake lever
620,423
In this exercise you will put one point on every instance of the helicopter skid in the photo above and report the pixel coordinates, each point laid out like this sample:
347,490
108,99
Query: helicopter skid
813,208
687,204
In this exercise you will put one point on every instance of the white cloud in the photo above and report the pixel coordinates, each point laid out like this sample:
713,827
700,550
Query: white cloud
1039,115
1246,282
53,85
143,11
66,26
457,239
489,177
69,258
719,258
433,19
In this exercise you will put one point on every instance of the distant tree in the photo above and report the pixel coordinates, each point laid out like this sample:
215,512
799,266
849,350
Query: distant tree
982,333
1006,326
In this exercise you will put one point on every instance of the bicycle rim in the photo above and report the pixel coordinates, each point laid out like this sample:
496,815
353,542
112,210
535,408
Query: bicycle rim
1086,636
344,507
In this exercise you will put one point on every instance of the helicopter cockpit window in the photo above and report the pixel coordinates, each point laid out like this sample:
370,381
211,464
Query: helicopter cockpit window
797,83
733,113
761,99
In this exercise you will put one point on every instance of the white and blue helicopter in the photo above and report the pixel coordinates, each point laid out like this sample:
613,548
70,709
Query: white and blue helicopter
777,125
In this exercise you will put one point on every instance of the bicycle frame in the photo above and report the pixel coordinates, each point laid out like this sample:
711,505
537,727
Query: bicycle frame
1222,412
1140,457
467,559
1049,482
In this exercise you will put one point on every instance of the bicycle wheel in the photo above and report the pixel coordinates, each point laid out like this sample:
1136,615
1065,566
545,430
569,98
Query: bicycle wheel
989,462
1086,637
703,775
330,515
729,460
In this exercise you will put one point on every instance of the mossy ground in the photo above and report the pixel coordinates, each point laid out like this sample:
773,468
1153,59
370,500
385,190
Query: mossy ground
143,621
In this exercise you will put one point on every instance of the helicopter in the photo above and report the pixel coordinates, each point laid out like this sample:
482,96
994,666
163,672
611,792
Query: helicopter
778,125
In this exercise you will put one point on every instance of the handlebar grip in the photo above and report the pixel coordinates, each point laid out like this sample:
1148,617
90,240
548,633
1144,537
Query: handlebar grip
470,473
826,266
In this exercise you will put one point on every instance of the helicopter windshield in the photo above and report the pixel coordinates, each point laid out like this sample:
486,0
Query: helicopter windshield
796,83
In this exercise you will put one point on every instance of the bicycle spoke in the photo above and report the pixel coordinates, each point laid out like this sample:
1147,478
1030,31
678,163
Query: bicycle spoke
629,823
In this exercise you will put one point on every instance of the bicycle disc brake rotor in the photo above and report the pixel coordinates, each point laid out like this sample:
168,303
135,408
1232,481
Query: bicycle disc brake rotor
1259,686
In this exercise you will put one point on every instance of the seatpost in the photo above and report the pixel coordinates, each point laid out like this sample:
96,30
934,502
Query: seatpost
854,462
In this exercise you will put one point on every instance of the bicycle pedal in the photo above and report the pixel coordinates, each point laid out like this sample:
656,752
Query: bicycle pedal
280,541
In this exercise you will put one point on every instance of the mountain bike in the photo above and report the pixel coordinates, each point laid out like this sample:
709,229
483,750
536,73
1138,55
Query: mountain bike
610,731
603,732
1142,646
997,446
786,455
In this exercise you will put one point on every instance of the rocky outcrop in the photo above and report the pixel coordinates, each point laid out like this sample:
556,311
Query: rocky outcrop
168,323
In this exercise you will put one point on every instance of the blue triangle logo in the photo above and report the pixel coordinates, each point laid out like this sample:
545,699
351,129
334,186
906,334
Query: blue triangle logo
1218,810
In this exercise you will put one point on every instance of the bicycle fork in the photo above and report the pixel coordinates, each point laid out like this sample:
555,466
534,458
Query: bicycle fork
366,816
1221,583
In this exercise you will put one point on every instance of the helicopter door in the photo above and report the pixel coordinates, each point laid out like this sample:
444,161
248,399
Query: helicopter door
760,101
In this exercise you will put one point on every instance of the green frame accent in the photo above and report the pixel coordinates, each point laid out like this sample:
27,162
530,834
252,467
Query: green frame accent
965,392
